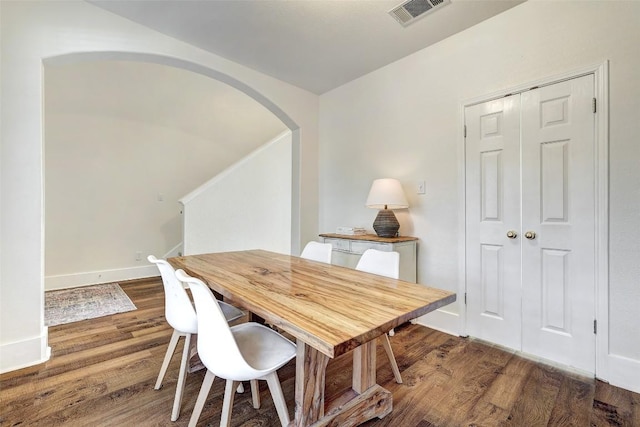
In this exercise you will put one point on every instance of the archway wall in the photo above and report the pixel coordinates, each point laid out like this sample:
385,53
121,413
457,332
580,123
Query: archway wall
123,141
35,32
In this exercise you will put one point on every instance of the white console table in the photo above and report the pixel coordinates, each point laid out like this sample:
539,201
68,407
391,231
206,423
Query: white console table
347,250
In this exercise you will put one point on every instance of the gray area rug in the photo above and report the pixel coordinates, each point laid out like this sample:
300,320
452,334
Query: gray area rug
86,302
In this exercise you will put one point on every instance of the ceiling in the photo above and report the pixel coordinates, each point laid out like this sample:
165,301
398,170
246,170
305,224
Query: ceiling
316,45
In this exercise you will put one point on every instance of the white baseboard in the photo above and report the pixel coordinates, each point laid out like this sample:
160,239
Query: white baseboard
22,354
175,251
441,320
94,277
623,372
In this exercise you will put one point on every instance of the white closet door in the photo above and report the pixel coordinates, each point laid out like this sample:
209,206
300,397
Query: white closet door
493,208
530,175
558,188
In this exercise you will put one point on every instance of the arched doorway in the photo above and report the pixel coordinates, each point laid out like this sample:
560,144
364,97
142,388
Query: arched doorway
150,61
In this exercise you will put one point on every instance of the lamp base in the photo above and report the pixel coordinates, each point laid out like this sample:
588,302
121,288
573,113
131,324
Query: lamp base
386,224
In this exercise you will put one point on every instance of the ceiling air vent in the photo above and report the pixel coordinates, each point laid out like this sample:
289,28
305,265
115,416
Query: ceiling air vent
409,11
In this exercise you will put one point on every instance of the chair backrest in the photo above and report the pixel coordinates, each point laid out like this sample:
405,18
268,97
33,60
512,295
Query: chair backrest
380,263
317,251
178,308
217,346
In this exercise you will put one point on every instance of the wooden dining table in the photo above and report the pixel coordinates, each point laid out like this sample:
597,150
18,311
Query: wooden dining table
330,310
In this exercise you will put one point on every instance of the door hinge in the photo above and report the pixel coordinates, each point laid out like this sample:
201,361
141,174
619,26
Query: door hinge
465,131
465,298
595,105
595,326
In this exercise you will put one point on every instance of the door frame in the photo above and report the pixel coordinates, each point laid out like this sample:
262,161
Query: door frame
601,192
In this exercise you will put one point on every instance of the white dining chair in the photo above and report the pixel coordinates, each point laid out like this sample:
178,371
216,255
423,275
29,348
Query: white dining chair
383,264
317,251
181,315
245,352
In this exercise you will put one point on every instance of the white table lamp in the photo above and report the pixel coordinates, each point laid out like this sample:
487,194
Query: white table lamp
386,194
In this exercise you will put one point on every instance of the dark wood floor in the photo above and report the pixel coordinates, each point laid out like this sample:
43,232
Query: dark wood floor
102,373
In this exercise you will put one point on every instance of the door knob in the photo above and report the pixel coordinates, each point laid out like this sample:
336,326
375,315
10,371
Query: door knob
530,235
512,234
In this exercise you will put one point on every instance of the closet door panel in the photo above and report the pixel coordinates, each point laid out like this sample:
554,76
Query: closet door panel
492,258
558,185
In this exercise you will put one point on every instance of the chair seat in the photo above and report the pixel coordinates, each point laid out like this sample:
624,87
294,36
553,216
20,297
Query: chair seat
263,348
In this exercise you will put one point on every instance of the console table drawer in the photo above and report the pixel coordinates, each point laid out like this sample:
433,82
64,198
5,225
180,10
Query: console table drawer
339,244
358,247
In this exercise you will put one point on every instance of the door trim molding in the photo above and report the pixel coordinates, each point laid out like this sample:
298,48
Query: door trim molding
601,192
602,220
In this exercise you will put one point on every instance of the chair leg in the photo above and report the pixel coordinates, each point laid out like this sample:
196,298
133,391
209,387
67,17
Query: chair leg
278,398
182,375
255,394
167,358
202,398
227,404
240,388
392,359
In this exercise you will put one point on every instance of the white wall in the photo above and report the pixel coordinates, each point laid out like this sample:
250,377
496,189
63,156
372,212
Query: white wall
404,121
245,207
123,141
34,31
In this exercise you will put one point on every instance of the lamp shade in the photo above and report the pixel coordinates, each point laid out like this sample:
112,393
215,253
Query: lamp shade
386,193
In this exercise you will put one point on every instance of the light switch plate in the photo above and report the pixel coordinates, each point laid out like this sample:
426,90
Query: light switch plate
420,187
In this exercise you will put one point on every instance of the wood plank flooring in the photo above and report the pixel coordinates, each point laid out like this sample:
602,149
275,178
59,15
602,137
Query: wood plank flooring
102,373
